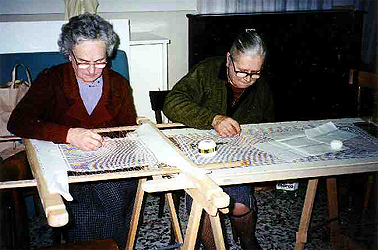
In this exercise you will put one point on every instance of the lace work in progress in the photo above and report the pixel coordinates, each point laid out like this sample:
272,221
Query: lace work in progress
120,151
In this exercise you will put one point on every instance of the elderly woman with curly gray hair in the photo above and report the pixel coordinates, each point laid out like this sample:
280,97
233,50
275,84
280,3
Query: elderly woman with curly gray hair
68,100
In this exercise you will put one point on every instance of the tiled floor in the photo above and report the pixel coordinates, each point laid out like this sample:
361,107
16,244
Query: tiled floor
279,215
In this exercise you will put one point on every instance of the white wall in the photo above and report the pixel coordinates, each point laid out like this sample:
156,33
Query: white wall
170,24
43,36
57,6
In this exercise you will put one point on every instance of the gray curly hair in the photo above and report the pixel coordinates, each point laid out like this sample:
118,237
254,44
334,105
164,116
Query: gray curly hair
87,27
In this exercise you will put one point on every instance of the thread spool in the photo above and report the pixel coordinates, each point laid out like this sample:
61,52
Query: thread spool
207,148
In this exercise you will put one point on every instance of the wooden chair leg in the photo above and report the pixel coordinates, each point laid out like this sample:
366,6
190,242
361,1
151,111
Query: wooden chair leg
368,191
21,220
7,225
12,169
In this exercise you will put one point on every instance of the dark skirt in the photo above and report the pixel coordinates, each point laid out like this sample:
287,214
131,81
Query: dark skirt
101,210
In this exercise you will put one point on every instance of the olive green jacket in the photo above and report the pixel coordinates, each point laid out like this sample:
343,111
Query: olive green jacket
202,94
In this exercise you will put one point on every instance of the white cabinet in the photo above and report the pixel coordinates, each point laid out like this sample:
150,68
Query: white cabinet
148,69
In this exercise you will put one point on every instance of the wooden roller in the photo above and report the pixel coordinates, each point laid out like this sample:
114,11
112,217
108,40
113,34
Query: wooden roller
55,210
205,190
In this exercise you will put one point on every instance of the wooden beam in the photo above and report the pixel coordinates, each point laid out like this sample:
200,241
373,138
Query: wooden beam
55,210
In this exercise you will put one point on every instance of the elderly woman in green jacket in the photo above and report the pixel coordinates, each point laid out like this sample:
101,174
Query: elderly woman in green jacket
221,93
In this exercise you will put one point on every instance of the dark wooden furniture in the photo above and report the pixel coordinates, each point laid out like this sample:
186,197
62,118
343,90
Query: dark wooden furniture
310,56
157,99
14,222
368,94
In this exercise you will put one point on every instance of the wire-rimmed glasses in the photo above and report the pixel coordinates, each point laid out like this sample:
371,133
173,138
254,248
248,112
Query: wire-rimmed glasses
99,65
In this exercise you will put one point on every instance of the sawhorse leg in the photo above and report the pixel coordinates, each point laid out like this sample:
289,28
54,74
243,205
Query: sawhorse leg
217,231
333,211
174,218
193,226
133,228
306,214
307,210
137,212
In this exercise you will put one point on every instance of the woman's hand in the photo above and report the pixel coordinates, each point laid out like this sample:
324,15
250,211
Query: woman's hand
226,126
84,139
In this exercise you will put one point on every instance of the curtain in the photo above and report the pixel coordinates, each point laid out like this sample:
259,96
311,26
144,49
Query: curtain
369,47
243,6
77,7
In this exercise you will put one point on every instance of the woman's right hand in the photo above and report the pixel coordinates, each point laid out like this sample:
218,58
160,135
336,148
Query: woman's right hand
84,139
226,126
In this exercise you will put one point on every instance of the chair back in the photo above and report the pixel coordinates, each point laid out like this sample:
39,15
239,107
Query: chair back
367,79
367,94
34,43
157,99
37,61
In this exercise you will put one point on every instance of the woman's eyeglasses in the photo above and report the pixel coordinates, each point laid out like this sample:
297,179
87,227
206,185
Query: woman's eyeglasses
99,65
243,74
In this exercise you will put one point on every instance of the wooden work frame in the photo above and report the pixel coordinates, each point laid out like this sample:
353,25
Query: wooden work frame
264,173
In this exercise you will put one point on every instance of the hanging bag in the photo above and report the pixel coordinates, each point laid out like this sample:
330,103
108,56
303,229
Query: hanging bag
10,96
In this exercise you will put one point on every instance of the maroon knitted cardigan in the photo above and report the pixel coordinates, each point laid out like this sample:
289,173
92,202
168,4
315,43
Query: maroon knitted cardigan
53,105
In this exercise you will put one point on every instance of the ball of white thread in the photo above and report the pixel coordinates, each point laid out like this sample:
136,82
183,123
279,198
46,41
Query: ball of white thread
207,148
336,144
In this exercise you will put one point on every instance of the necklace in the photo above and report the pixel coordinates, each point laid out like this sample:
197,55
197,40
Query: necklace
94,84
236,92
236,95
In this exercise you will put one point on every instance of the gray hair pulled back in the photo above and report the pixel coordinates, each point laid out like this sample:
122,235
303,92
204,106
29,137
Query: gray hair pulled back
87,27
250,43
